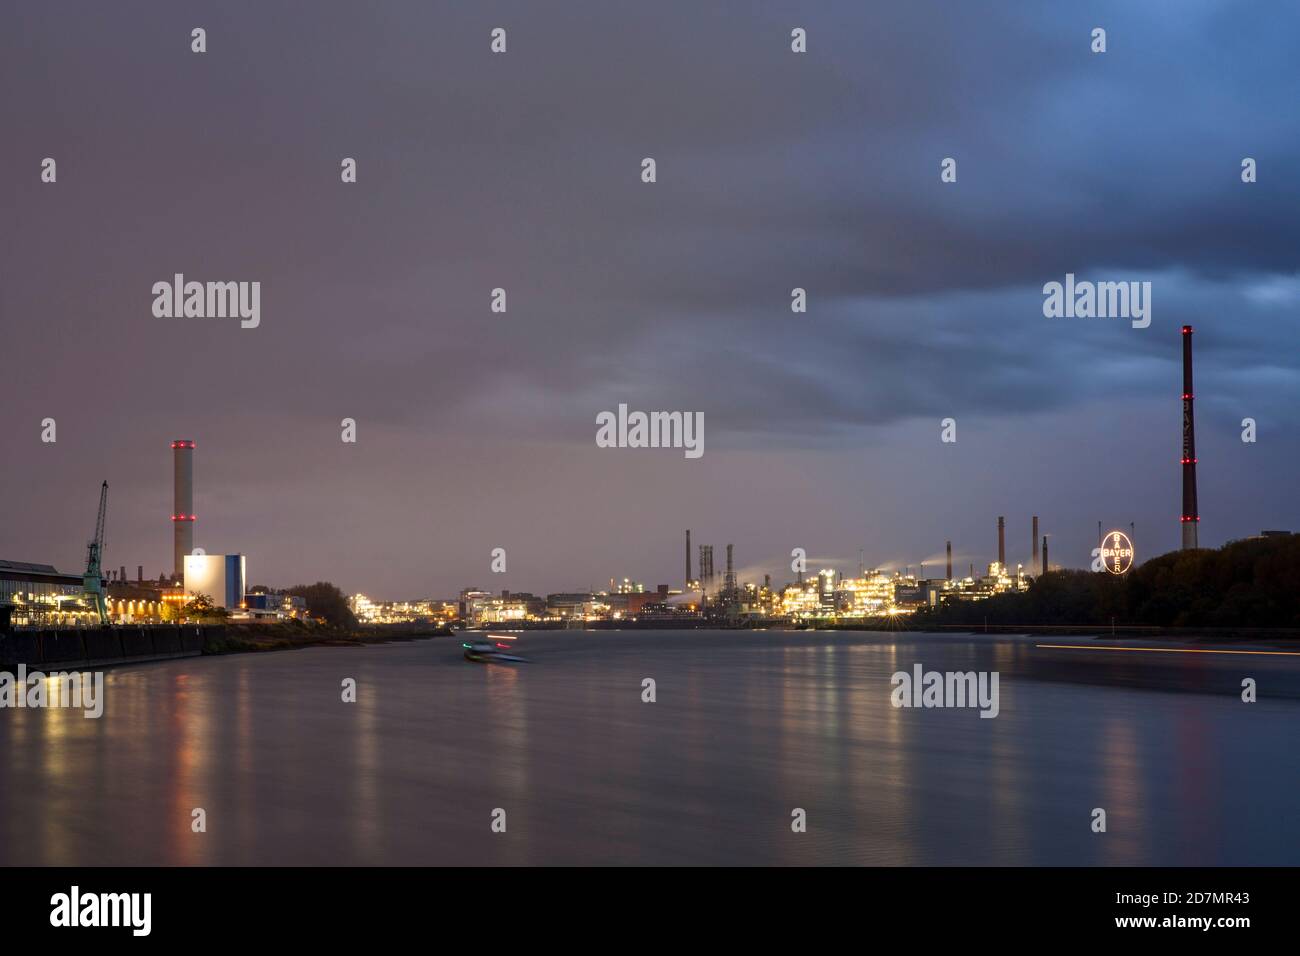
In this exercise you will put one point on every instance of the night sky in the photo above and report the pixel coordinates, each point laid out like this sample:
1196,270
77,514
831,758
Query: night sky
775,170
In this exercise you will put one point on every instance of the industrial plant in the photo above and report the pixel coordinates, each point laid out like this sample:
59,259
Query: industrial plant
34,595
704,600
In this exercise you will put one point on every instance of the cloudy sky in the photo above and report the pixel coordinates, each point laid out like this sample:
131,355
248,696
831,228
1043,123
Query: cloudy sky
522,171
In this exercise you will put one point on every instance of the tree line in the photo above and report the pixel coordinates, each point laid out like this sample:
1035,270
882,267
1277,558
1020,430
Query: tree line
1250,583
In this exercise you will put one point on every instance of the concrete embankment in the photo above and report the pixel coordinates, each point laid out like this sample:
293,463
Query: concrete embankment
101,647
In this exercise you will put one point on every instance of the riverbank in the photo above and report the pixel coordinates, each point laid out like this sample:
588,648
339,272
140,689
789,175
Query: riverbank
288,635
1180,635
72,648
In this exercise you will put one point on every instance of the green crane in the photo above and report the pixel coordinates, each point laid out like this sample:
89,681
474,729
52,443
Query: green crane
93,581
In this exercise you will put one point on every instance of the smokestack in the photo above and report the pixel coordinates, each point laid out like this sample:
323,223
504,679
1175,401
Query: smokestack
139,573
1002,541
1034,540
182,504
1045,564
729,560
949,560
688,559
122,573
1191,517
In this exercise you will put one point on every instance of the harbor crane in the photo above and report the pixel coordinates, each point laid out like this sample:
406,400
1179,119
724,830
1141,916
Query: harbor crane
93,581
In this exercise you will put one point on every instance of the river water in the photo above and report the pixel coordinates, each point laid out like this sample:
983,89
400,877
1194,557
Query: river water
746,728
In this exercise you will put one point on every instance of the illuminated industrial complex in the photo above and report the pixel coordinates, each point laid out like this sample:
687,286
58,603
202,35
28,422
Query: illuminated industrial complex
40,596
825,596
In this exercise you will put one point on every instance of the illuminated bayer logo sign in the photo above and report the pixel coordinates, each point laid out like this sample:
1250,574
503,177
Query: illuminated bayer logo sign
1115,554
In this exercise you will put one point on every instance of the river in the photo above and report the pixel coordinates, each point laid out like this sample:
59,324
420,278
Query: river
746,729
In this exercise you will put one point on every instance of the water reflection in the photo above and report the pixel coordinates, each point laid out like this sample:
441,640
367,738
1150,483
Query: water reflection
745,728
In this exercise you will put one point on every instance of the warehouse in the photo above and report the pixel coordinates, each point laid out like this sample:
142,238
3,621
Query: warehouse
38,595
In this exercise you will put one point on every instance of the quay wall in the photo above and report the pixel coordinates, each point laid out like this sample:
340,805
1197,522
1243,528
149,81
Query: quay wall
101,647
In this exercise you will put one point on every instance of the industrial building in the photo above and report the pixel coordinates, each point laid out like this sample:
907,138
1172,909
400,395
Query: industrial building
219,577
39,595
396,612
275,606
571,605
481,607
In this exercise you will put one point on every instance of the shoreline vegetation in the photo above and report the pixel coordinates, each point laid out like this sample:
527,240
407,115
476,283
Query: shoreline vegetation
288,635
1245,590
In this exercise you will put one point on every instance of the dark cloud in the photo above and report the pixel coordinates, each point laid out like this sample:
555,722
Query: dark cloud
775,171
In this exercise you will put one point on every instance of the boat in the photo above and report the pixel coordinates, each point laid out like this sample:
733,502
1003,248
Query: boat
490,652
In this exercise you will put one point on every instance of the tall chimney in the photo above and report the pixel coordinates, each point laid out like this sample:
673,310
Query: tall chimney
182,504
1002,542
1045,564
1034,540
1191,517
139,573
688,559
949,560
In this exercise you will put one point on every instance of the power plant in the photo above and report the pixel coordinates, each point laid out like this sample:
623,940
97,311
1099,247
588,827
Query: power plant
1191,517
182,504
